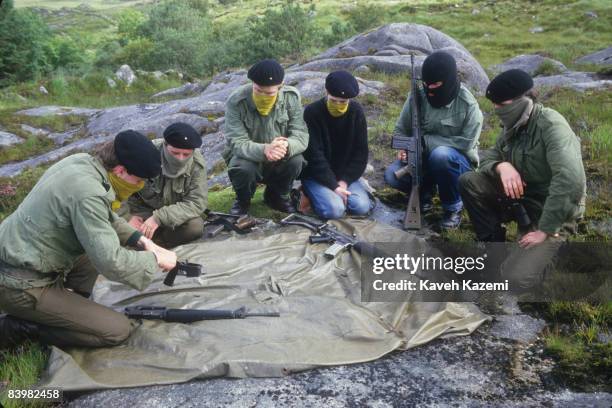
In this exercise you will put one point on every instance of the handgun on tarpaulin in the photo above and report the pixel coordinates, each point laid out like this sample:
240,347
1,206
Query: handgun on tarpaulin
187,269
216,222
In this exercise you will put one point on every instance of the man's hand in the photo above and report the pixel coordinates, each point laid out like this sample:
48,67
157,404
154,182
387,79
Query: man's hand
532,239
277,149
342,191
149,227
136,222
402,155
511,180
165,259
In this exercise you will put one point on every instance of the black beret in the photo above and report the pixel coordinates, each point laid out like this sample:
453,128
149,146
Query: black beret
342,84
137,154
509,85
266,73
182,136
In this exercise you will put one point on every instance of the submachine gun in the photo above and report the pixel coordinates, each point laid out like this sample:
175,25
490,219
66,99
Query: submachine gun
324,232
413,147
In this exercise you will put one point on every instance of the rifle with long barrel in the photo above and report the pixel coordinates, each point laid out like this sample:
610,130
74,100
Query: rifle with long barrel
190,315
324,232
413,165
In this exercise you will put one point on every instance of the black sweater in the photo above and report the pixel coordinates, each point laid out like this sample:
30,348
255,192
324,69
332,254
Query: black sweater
338,147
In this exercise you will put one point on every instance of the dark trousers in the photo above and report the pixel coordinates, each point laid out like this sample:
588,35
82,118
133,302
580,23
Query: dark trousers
482,197
277,176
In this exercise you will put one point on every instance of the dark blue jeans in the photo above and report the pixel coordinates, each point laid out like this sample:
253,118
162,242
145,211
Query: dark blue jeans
441,168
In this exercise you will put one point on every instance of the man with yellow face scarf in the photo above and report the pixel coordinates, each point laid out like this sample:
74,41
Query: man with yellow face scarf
265,135
337,151
68,214
169,208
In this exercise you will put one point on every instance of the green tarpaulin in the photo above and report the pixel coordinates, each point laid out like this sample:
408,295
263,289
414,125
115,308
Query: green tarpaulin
323,321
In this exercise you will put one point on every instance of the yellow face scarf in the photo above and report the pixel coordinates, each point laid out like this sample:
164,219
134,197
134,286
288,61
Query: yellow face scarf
123,189
264,103
337,109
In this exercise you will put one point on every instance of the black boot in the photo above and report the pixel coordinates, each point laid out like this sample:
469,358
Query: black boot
240,207
278,202
16,331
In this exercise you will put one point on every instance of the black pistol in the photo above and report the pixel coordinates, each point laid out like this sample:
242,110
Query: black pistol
190,270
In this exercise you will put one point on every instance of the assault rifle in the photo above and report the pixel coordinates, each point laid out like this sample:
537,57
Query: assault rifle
216,222
190,270
324,232
413,165
190,315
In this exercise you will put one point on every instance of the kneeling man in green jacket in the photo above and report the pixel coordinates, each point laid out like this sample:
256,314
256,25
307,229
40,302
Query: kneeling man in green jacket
69,213
169,208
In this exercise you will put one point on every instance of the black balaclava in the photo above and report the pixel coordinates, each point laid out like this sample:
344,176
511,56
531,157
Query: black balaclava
440,66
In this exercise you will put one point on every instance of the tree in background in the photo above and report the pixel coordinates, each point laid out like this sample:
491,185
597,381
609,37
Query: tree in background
285,32
23,45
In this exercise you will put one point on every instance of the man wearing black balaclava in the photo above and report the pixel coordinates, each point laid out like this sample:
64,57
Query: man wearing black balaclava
451,122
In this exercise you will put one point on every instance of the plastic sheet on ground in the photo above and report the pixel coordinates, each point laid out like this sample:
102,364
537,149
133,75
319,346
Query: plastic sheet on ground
322,319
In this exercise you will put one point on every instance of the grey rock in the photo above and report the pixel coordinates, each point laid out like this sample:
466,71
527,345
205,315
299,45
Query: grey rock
59,138
362,69
475,12
34,131
9,139
186,89
212,147
111,83
43,90
13,169
579,81
521,328
602,57
529,63
125,74
221,179
591,14
369,170
387,53
459,372
58,110
536,30
405,38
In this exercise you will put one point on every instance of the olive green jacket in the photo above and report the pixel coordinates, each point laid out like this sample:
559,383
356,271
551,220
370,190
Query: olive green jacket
546,153
67,214
246,131
455,125
173,201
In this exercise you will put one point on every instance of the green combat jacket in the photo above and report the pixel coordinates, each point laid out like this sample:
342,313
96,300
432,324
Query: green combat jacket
67,214
546,153
173,201
246,131
455,125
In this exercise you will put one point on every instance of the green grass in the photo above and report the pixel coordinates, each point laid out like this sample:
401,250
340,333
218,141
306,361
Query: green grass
21,369
222,200
13,190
